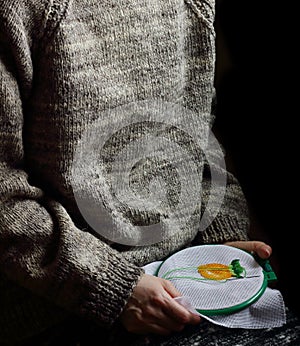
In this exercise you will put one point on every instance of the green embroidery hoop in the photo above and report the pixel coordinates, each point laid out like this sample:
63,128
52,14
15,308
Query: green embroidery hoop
213,253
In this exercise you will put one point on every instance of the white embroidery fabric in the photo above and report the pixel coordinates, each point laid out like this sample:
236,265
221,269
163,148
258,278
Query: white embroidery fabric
267,312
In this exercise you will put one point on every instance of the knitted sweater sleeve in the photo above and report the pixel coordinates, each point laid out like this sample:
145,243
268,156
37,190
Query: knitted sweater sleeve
40,247
225,214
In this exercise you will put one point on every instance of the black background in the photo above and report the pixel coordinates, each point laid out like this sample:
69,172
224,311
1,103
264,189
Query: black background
257,86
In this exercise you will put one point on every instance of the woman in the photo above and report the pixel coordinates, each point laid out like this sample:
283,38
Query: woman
64,65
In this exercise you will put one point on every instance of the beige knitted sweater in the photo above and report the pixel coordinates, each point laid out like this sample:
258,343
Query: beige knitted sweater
62,65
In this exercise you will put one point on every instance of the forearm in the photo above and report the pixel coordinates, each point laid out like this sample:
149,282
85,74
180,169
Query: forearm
42,250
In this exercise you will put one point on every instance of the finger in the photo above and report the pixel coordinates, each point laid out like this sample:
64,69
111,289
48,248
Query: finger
156,316
170,324
179,313
158,329
263,250
150,327
260,248
170,288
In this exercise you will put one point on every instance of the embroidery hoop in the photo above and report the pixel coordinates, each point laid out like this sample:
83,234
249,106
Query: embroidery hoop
216,297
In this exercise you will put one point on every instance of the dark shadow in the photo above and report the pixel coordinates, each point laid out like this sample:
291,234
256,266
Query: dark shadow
255,111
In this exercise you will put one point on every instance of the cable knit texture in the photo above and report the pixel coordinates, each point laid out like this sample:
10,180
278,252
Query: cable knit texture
62,64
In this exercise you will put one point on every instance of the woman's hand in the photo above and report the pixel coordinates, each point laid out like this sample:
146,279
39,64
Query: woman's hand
263,250
152,309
